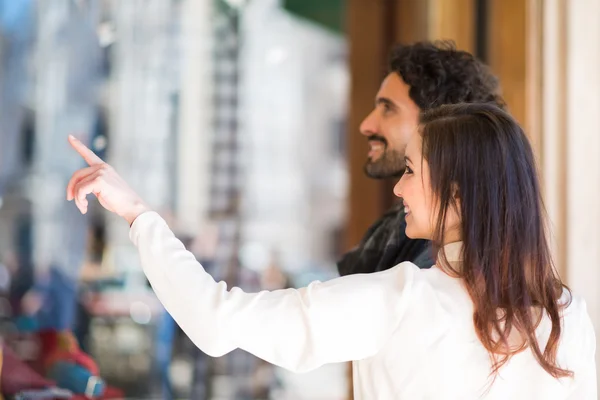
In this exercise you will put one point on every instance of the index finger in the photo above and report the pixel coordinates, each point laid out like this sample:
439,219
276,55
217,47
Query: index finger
88,155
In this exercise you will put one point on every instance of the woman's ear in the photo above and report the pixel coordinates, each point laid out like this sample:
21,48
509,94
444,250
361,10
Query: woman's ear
456,197
455,191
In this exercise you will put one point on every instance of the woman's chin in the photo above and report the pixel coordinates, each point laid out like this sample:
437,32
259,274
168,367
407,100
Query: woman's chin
413,234
410,234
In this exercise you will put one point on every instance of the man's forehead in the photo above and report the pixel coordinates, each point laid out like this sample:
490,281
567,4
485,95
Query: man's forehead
394,89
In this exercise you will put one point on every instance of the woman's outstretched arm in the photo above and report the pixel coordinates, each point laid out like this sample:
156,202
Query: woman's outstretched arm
344,319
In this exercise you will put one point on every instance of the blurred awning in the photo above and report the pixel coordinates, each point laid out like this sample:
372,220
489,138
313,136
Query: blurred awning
328,13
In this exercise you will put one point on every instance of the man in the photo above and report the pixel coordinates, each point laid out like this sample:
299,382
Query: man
421,76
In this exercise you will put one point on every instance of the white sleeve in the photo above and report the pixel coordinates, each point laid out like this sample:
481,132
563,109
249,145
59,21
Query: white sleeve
348,318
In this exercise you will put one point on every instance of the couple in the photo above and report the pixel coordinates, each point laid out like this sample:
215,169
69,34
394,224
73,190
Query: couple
491,319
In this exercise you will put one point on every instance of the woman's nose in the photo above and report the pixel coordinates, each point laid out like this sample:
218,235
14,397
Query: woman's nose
398,187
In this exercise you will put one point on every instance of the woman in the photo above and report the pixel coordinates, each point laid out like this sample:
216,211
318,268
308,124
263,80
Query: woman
490,320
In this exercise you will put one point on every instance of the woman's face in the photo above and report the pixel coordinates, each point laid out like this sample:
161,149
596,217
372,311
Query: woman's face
420,204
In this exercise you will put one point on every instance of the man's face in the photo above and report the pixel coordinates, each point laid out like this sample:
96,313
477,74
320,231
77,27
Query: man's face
389,127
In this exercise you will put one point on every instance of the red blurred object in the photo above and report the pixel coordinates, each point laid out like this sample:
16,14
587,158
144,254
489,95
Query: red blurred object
17,376
63,346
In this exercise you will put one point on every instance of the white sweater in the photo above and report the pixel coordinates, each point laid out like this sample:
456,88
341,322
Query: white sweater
409,332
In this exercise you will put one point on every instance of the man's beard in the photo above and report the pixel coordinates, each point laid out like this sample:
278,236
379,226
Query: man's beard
390,164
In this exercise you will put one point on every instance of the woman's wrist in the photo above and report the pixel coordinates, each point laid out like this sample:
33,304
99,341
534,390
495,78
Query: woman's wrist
135,212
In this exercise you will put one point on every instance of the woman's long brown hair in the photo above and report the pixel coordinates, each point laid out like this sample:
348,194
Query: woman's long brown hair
480,156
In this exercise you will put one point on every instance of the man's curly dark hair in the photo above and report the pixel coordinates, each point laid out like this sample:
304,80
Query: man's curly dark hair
438,74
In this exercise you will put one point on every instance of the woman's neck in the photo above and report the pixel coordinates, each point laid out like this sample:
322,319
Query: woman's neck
452,236
453,251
